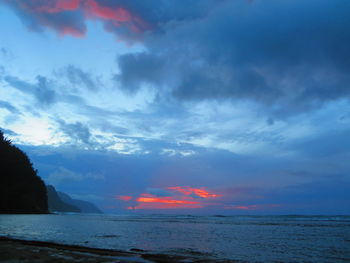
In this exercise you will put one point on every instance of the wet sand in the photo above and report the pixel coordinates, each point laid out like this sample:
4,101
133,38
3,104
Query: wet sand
15,250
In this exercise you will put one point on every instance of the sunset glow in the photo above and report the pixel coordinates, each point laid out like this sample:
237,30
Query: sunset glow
124,197
197,191
58,6
115,15
164,206
172,197
165,200
93,8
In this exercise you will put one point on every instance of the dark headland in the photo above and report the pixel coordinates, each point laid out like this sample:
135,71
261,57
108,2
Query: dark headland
21,189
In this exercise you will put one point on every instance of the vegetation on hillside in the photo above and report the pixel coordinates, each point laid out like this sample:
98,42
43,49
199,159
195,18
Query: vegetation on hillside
21,189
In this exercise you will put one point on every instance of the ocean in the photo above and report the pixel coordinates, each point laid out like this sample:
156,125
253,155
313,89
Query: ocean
242,238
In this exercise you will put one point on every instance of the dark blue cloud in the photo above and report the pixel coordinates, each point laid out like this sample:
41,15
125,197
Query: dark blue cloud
77,77
5,54
292,55
150,70
42,90
320,197
331,143
6,105
76,132
8,132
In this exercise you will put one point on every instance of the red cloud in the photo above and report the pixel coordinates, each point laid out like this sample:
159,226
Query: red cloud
124,197
67,17
148,201
197,191
94,9
72,31
147,198
183,197
164,206
52,6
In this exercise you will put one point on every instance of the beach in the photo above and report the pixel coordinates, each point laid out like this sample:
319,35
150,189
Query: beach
16,250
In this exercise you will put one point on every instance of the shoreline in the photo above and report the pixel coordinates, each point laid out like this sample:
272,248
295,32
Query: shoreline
19,250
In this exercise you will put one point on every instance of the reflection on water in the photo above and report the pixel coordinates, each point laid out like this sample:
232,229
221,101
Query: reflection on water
251,238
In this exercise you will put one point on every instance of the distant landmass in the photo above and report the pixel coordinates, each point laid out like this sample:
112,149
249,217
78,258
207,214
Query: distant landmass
56,204
21,189
61,202
84,206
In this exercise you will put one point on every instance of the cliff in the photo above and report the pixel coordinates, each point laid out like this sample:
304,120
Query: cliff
61,202
84,206
21,189
56,204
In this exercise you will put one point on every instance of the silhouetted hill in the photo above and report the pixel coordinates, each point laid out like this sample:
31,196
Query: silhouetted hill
56,204
21,190
84,206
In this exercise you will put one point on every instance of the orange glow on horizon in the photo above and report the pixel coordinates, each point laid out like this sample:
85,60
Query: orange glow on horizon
197,191
164,206
178,197
124,197
165,200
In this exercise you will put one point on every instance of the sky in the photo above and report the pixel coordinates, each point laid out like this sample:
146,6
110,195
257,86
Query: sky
189,107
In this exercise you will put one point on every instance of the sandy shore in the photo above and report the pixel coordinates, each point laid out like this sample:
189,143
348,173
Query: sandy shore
15,250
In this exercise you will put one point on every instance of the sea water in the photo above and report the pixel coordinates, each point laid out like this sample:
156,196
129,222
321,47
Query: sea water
243,238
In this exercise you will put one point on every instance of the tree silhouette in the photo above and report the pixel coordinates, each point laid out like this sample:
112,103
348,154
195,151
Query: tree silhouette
21,189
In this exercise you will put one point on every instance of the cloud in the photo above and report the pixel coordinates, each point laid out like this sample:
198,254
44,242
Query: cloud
81,135
8,132
95,176
63,175
68,17
140,68
176,197
124,197
318,197
76,132
199,192
6,55
3,51
78,77
323,145
159,192
173,152
60,16
128,20
42,90
283,55
149,201
2,72
9,107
